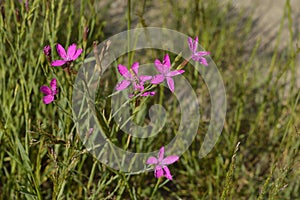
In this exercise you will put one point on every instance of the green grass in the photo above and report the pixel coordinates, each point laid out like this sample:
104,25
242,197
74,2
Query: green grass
42,156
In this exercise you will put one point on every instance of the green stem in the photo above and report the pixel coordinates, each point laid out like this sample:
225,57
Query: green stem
128,29
155,188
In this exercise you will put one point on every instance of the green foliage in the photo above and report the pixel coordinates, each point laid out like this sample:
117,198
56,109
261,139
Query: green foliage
42,156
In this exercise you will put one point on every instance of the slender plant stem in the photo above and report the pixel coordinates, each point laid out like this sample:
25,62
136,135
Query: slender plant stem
155,188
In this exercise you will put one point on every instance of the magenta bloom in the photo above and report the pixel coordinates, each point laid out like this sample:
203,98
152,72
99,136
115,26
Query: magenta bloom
50,92
67,57
161,163
197,56
165,73
131,77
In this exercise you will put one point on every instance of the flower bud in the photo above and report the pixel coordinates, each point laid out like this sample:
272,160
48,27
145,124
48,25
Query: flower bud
85,33
47,50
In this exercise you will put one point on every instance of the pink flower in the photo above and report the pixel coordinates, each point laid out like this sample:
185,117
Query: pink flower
197,56
165,73
71,55
50,92
131,77
161,163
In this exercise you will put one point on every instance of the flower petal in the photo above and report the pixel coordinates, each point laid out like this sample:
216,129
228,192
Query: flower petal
167,62
203,61
158,172
124,71
48,99
122,85
195,45
157,79
170,82
202,53
61,51
169,160
151,160
152,93
145,78
57,63
71,51
77,54
53,85
145,94
167,173
135,67
191,44
159,66
45,89
175,72
161,154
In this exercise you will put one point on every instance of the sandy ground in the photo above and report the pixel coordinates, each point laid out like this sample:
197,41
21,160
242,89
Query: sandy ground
268,15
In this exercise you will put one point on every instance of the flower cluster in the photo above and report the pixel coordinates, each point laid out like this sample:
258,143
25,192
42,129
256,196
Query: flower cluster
131,77
67,58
